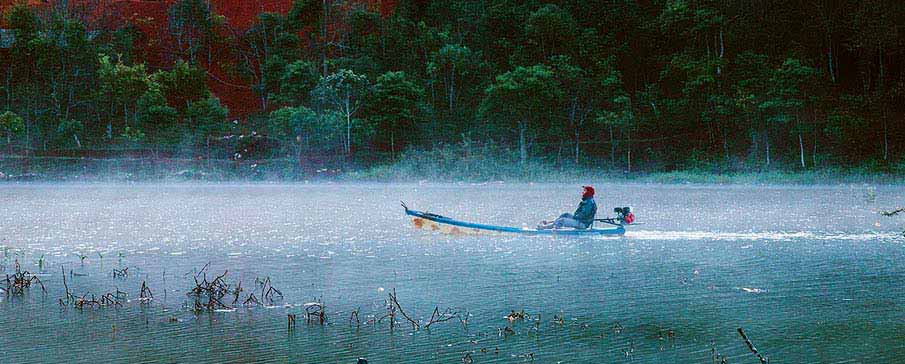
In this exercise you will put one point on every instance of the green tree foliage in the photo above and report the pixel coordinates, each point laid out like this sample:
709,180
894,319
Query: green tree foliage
69,131
519,99
551,31
11,125
182,85
296,83
156,119
193,24
206,118
726,85
453,66
303,132
345,92
396,109
122,85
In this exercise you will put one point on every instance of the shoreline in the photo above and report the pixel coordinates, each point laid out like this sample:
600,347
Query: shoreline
830,177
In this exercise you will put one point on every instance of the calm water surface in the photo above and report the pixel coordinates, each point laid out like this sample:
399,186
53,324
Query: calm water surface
813,274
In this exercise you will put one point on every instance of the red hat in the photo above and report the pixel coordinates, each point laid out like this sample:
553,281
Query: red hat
588,192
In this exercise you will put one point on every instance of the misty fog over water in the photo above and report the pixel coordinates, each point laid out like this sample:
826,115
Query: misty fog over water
812,274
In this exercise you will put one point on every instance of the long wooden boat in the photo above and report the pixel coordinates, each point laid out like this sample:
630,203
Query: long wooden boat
430,221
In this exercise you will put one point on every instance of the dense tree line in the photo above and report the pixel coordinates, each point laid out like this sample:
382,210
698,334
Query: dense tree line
661,84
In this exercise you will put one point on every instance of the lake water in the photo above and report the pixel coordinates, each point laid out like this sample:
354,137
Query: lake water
812,274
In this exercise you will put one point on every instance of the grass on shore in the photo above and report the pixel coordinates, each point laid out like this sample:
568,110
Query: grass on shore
440,165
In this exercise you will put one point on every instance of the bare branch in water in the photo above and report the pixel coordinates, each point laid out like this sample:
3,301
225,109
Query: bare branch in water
291,319
751,347
145,295
316,310
444,316
20,281
394,301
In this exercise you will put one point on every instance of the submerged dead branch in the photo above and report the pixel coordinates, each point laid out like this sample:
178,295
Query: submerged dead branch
145,295
20,281
208,295
268,292
391,314
354,316
291,319
446,315
121,273
518,316
751,347
395,302
89,300
316,311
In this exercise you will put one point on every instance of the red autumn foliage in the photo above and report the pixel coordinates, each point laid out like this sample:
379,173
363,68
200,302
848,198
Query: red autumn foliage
152,19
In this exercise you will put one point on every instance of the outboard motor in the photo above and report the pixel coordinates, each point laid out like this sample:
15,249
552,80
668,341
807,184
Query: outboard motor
625,215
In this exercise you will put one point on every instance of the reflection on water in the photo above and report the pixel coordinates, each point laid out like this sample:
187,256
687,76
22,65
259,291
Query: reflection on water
812,274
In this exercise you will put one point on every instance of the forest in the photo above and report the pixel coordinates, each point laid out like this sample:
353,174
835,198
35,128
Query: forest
617,85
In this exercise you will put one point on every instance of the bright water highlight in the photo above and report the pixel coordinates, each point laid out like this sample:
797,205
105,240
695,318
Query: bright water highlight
813,274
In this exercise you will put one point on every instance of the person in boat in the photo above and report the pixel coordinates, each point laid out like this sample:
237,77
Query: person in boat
583,216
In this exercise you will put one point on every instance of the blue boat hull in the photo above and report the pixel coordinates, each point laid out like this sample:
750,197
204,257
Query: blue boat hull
425,220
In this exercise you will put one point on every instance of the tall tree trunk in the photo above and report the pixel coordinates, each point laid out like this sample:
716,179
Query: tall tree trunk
755,147
110,121
298,153
27,141
885,140
722,52
9,88
829,56
814,152
348,136
573,110
522,142
69,100
801,150
725,140
767,146
393,145
577,146
629,159
324,39
612,147
452,89
628,149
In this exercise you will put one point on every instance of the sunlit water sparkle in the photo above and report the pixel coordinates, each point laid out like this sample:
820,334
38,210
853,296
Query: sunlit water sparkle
813,274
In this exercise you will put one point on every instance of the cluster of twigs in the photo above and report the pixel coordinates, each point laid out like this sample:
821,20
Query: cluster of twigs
109,299
392,304
145,295
20,281
316,312
268,292
89,300
521,315
121,273
208,295
447,315
354,316
291,319
394,308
